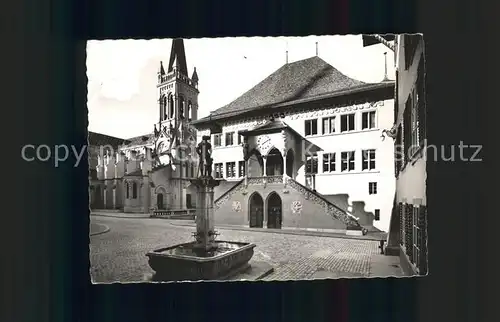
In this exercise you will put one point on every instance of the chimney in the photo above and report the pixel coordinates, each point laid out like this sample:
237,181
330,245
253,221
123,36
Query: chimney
385,68
286,53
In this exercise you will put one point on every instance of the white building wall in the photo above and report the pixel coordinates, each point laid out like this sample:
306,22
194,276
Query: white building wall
411,183
354,183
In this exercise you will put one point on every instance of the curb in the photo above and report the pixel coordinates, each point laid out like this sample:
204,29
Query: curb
290,232
106,229
114,216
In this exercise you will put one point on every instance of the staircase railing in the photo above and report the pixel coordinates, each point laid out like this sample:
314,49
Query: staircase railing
174,214
227,195
332,209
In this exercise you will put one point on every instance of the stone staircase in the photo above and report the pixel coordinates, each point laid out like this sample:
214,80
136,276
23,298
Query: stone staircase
313,196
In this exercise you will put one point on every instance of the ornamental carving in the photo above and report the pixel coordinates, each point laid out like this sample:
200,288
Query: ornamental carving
236,206
296,207
219,202
330,209
274,179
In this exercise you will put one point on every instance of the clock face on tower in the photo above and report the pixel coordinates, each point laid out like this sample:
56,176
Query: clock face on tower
263,143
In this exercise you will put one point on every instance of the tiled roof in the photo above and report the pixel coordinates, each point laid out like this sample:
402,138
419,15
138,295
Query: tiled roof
139,140
98,139
302,79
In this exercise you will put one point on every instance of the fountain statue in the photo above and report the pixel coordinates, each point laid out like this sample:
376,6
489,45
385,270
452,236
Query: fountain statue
206,258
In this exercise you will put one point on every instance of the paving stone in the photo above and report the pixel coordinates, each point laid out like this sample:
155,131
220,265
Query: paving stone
120,254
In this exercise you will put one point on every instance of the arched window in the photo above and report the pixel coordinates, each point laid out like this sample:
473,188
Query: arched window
170,106
127,190
134,190
190,111
182,107
164,113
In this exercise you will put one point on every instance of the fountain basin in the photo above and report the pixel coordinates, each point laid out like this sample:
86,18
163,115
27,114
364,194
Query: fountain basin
185,262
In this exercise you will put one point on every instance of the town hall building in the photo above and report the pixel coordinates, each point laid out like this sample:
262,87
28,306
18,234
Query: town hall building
301,149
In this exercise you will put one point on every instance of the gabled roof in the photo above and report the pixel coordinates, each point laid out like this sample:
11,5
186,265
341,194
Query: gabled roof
271,126
139,140
98,139
302,79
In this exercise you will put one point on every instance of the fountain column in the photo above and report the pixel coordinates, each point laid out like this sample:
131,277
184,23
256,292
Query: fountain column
205,230
205,184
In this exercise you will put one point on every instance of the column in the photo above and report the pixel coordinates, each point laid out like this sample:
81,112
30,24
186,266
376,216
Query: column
264,171
284,166
205,215
247,167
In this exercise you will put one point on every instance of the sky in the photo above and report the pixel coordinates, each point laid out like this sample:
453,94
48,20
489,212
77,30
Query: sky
122,74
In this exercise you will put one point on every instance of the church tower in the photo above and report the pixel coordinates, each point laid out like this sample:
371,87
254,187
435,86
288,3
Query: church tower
178,95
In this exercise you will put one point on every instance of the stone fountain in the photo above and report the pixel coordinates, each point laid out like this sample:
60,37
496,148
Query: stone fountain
205,258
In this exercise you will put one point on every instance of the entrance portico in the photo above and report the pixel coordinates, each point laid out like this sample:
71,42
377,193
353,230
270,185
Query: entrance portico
275,149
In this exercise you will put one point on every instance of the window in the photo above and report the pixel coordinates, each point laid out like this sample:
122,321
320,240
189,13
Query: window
240,139
377,214
372,188
229,138
218,170
217,140
171,110
134,190
93,174
193,175
127,190
242,168
329,125
368,120
414,120
368,159
347,122
416,237
189,111
347,161
311,164
398,151
421,101
182,107
402,223
329,162
311,127
230,169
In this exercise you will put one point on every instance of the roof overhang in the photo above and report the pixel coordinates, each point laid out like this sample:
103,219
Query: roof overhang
370,40
368,92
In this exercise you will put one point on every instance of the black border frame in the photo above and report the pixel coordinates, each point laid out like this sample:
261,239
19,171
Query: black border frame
46,248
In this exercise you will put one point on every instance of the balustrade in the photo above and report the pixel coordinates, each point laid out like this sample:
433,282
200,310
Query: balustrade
173,214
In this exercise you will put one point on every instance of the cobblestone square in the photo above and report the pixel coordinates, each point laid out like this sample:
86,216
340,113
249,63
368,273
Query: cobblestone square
119,255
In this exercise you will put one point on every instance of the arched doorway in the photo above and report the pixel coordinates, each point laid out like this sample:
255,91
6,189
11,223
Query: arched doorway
98,201
274,211
255,165
274,164
290,158
256,210
159,201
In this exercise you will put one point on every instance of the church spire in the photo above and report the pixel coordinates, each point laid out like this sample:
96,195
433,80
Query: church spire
178,57
194,78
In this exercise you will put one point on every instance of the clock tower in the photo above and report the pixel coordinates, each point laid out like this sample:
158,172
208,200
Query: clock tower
178,103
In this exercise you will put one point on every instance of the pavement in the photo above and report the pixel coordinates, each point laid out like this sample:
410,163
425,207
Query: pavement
340,234
119,254
97,229
115,214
